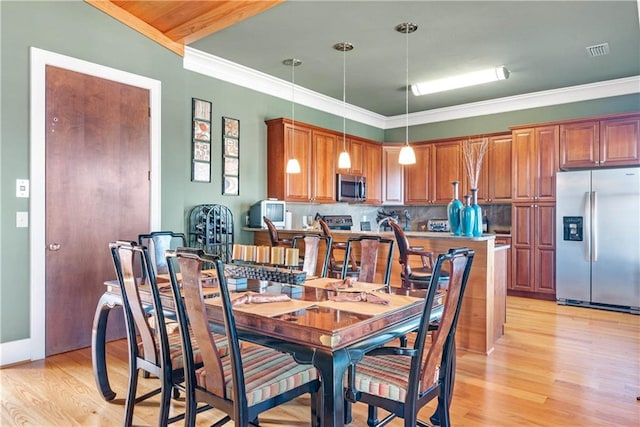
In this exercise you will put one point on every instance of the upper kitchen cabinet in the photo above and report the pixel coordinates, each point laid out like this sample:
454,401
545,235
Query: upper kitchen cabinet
355,147
315,150
447,167
372,170
497,167
534,163
418,177
392,176
606,142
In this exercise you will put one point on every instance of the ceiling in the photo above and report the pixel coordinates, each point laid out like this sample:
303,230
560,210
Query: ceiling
542,43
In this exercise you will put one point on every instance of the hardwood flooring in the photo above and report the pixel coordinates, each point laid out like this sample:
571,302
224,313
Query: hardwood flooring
555,366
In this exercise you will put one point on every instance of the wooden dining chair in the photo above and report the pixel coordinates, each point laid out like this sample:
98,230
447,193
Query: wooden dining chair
362,253
274,236
152,349
315,260
402,380
415,277
158,242
253,378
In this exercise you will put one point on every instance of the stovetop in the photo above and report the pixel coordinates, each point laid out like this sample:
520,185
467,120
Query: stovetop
338,222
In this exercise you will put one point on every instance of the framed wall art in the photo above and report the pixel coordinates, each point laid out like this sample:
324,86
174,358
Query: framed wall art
201,140
230,156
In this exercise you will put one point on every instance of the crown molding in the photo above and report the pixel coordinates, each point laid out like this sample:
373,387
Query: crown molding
222,69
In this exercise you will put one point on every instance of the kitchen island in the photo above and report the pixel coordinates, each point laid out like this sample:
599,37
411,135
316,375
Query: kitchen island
482,318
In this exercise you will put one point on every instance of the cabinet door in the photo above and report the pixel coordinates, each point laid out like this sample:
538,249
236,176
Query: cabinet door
523,243
498,167
417,178
620,142
323,167
355,148
503,240
547,162
298,145
392,176
483,177
544,251
579,145
372,170
447,164
522,151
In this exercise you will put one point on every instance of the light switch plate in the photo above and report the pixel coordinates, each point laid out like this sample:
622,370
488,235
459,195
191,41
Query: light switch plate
22,219
22,188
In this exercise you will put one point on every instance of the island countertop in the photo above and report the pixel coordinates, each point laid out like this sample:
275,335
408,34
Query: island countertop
482,316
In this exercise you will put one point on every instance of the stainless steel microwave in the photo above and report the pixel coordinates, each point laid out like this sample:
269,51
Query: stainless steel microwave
351,188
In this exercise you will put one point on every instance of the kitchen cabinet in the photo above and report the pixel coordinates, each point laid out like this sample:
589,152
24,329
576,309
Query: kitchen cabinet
497,169
372,170
418,178
447,167
392,176
533,250
506,240
315,150
600,143
534,163
355,147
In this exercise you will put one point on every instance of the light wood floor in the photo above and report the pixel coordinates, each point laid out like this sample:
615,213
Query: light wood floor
555,366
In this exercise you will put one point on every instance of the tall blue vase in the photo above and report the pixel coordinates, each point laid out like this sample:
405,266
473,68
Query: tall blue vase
477,224
453,212
467,217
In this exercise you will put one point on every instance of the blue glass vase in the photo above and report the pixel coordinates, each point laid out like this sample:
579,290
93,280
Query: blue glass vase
453,212
467,217
477,223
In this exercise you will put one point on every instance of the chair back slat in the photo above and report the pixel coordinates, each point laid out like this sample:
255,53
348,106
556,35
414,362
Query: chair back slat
158,242
314,244
364,250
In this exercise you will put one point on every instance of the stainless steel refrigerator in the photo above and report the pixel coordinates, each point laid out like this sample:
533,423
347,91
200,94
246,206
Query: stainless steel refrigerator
598,239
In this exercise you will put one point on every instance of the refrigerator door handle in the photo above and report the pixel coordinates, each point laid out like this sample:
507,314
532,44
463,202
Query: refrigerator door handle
594,225
587,226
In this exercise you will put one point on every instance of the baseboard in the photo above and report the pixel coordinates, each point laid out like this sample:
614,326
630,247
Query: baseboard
14,352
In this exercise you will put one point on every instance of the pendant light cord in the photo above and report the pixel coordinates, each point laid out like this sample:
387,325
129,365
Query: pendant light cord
344,99
293,97
406,90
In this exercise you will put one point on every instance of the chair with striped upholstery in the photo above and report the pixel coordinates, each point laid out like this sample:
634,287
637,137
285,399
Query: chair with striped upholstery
155,351
402,380
253,378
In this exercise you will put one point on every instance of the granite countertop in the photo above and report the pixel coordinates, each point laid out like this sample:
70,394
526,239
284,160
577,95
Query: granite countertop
417,234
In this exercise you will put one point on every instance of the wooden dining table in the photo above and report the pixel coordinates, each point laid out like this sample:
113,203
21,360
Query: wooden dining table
312,327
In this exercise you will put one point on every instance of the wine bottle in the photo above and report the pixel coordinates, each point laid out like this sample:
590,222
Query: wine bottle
485,223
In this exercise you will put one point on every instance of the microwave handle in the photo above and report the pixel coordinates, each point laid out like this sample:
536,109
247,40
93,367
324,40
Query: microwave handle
362,190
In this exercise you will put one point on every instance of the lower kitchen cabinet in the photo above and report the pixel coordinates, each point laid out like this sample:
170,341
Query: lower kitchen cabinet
533,251
505,240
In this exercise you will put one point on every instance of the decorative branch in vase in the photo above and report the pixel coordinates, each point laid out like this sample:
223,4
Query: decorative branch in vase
473,155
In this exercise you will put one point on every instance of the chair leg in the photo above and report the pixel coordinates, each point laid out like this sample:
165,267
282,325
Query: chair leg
165,401
451,377
131,394
372,416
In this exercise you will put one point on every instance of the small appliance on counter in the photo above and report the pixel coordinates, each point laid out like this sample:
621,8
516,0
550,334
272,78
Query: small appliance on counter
338,222
438,225
273,209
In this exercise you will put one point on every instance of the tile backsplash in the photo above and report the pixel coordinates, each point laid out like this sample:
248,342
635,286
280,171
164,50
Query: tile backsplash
499,216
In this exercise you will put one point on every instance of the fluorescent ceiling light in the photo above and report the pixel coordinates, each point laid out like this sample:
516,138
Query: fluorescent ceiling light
464,80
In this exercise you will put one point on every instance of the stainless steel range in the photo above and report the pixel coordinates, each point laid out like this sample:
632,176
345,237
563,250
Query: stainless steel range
338,222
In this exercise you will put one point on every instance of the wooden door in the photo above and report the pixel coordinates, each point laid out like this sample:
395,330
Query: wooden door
298,145
372,170
545,248
356,149
620,142
579,145
417,177
483,178
523,142
522,251
498,167
447,161
97,190
546,156
323,171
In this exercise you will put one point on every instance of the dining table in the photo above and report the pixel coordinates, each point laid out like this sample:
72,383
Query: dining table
313,326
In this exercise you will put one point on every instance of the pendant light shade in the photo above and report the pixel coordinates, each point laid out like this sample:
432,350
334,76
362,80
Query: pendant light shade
293,165
407,155
344,160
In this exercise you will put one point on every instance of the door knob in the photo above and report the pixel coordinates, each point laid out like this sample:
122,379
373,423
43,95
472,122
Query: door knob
54,247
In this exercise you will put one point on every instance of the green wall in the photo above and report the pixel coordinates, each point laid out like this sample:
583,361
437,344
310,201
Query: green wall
76,29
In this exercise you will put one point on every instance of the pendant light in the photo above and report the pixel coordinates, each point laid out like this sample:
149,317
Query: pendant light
293,166
344,160
407,155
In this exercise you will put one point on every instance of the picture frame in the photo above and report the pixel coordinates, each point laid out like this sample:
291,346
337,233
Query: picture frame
230,156
201,140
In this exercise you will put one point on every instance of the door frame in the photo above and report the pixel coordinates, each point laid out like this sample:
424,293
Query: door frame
37,246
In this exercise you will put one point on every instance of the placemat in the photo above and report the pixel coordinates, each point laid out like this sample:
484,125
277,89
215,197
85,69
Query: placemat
268,309
362,307
357,286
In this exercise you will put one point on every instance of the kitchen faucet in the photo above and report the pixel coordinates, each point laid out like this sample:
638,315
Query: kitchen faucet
388,218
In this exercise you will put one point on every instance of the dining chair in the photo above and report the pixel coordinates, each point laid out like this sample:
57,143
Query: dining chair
334,267
253,378
362,253
158,242
274,237
415,277
152,349
316,251
402,380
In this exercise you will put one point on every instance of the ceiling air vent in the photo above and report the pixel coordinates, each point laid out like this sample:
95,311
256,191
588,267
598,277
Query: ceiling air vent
598,49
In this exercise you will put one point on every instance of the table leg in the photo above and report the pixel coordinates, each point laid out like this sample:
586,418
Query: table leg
98,343
332,367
